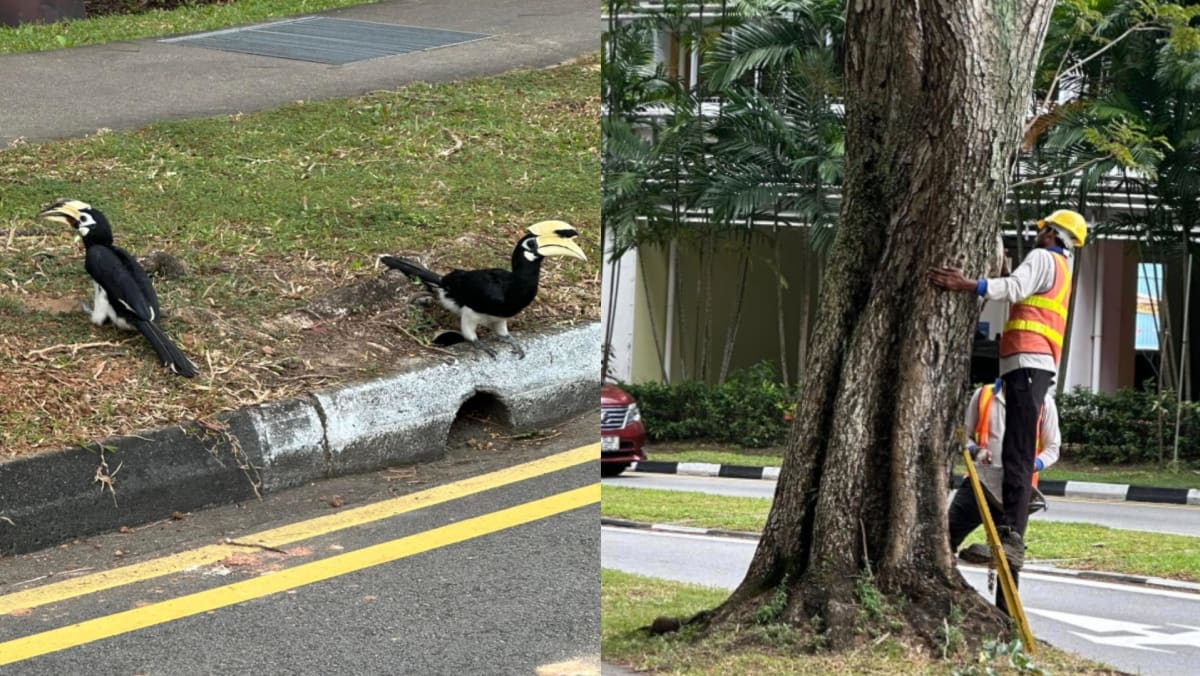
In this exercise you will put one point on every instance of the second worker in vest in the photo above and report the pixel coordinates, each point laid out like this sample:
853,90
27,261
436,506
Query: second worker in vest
986,420
1038,290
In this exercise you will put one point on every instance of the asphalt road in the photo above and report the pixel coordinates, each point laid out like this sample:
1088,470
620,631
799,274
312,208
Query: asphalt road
72,92
1173,519
482,563
1140,630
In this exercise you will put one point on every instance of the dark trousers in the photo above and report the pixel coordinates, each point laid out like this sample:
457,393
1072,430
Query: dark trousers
1024,392
963,517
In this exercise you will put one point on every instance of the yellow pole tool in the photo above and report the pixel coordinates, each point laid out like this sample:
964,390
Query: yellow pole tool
1011,599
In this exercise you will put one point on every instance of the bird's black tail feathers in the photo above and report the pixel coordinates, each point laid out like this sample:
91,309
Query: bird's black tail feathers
412,269
167,352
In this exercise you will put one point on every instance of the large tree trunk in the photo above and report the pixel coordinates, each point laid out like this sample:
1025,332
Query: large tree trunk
936,93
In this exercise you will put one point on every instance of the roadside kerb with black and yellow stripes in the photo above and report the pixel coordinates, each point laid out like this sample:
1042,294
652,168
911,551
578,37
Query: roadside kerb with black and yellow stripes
395,420
1091,490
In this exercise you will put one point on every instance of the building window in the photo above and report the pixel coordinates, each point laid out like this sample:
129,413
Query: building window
1147,317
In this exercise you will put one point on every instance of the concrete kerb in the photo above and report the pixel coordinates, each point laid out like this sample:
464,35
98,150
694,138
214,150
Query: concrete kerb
395,420
1072,489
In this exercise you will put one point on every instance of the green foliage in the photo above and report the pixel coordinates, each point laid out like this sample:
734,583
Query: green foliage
772,611
870,598
772,146
992,651
1129,71
1123,427
950,633
746,409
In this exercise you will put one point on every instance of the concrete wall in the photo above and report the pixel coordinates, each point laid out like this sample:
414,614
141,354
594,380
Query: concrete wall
758,336
1102,355
649,303
618,326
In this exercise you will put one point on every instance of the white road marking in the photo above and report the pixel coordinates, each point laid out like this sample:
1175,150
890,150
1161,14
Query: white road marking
1136,636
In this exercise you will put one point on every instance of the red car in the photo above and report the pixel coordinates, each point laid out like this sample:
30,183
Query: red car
622,435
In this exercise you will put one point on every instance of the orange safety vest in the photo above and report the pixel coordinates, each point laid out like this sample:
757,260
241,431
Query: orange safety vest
1037,324
986,395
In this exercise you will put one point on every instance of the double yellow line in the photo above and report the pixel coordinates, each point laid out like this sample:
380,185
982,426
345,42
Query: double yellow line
296,576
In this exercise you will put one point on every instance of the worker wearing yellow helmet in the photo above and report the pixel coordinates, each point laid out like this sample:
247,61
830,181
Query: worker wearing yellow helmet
1038,292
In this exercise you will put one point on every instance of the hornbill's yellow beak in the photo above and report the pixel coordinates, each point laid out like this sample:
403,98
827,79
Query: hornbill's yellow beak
64,211
555,238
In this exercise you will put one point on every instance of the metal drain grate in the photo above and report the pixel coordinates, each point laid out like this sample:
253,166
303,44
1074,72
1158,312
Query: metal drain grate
326,40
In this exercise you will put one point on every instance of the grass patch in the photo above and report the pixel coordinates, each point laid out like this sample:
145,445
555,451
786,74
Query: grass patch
1137,475
96,30
684,508
1067,545
271,212
629,602
1088,547
716,457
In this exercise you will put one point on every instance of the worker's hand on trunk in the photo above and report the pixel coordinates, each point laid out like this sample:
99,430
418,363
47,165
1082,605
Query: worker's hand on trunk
952,279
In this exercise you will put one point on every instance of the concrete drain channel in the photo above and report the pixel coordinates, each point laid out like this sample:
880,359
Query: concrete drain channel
322,39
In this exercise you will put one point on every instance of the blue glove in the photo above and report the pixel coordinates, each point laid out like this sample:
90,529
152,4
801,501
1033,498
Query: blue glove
1037,465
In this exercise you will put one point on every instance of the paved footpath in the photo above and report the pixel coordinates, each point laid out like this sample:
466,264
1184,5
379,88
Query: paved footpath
121,85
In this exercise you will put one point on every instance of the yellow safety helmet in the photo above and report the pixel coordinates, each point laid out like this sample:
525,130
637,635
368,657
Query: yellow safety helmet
1069,222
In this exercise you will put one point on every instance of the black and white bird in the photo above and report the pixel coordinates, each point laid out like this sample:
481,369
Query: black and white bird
491,297
122,291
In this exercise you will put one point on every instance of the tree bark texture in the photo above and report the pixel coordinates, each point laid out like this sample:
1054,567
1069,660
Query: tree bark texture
936,93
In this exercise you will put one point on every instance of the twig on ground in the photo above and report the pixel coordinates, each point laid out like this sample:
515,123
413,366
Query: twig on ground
398,473
73,347
106,478
269,548
458,144
418,341
536,435
152,524
50,575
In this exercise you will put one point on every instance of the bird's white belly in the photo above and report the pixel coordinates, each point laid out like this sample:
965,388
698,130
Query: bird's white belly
448,302
102,309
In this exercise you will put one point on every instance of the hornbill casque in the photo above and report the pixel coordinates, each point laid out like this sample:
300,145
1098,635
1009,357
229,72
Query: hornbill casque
491,297
123,293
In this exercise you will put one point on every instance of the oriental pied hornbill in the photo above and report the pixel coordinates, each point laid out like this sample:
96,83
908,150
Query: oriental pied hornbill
490,297
123,293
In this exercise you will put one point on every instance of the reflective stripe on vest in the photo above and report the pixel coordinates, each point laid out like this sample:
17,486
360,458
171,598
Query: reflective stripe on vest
986,394
1036,325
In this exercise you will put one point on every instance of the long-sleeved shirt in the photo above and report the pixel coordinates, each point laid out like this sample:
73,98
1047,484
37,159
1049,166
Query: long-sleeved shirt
1051,438
1034,275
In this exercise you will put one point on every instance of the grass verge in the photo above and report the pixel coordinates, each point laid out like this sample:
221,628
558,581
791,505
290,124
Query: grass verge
1066,545
279,217
1139,475
629,602
684,508
32,37
716,457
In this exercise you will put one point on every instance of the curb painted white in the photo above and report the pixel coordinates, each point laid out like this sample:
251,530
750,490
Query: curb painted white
698,469
1073,489
1096,491
404,418
672,528
291,444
